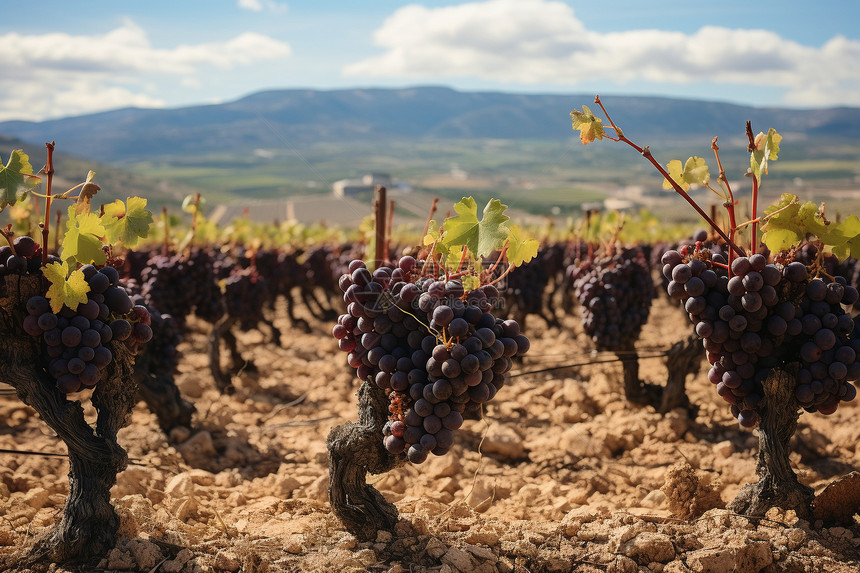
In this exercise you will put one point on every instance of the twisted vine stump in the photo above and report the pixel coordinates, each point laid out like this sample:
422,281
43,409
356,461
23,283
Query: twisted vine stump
683,358
159,391
356,449
777,485
87,529
222,329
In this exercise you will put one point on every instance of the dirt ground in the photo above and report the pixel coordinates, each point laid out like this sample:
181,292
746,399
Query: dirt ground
561,475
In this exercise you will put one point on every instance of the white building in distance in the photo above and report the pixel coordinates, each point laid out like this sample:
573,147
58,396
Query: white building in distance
368,183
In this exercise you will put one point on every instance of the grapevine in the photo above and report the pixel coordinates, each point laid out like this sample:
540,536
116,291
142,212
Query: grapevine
776,332
70,326
421,336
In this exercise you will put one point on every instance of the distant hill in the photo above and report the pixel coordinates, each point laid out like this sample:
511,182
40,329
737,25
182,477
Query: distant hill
115,183
288,117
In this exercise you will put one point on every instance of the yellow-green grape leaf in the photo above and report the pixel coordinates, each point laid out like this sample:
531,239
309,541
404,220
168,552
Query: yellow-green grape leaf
521,247
780,239
694,172
589,126
126,223
83,241
482,236
766,149
16,178
470,282
69,289
782,228
433,233
88,189
788,223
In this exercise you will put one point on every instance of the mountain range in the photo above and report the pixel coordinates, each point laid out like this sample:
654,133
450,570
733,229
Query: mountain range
281,118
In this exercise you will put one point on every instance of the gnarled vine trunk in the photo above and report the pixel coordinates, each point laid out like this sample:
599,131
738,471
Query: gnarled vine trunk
777,485
356,449
683,358
161,395
87,529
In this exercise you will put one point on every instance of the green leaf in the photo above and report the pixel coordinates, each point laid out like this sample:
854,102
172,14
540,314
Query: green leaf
482,236
766,149
780,239
14,178
83,241
788,223
521,247
470,282
432,233
127,224
694,172
589,126
70,291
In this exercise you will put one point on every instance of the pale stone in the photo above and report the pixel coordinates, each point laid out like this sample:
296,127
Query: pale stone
459,559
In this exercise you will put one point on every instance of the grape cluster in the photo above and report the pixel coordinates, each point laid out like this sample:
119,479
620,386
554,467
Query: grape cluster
162,348
178,285
245,291
25,258
434,348
765,316
74,340
615,297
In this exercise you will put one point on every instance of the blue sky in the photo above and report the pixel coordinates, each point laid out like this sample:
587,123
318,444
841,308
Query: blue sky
70,58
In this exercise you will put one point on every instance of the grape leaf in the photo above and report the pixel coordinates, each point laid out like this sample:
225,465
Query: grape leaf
788,223
694,172
780,239
432,234
470,282
88,189
589,126
83,241
69,289
521,247
766,149
482,236
127,224
846,237
16,178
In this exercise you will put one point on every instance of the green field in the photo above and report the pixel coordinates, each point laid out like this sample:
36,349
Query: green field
541,177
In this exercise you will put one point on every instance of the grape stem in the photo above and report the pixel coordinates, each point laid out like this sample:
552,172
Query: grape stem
729,204
460,264
501,256
504,274
49,173
750,148
430,216
646,153
8,234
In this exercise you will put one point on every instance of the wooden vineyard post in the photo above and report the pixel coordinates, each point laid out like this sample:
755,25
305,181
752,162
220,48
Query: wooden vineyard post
88,526
777,485
380,221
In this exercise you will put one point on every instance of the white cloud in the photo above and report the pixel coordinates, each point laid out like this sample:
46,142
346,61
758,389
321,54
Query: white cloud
542,42
59,74
259,6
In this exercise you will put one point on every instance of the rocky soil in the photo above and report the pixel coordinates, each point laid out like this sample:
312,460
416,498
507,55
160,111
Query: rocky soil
561,475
